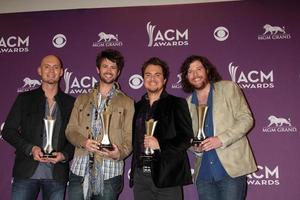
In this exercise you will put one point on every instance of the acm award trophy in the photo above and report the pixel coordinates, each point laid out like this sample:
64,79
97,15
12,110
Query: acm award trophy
201,112
105,119
147,155
48,148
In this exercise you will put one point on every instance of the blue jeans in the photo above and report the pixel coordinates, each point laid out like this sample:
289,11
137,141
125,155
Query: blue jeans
28,189
226,189
112,188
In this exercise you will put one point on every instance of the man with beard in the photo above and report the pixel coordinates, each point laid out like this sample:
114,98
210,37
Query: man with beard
26,131
224,158
169,170
96,172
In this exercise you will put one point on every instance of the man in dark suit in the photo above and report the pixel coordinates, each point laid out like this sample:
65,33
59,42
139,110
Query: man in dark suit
169,168
25,130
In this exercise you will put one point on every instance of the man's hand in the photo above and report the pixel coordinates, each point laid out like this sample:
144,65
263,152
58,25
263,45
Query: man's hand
151,142
37,154
58,158
91,145
113,154
211,143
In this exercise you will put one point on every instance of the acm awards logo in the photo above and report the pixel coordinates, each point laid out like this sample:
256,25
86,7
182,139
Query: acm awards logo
178,84
14,44
29,84
1,128
107,40
279,125
274,33
136,81
78,85
265,176
251,79
169,37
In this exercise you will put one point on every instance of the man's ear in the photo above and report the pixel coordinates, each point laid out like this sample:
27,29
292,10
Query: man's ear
61,72
39,70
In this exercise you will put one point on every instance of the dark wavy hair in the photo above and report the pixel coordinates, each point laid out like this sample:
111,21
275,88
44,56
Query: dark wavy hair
212,73
112,55
157,61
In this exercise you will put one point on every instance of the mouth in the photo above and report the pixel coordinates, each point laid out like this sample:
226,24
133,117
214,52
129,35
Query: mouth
108,75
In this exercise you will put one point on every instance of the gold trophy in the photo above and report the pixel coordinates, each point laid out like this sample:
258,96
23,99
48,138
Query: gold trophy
147,156
105,119
48,148
201,112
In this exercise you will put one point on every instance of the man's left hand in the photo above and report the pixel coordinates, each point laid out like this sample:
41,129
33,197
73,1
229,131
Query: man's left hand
112,154
58,158
211,143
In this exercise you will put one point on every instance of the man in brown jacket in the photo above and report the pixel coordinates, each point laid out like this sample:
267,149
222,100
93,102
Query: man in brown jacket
97,172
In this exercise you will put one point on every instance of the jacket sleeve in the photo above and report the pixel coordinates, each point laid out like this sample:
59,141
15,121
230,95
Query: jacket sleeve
178,128
126,146
12,129
68,149
241,114
73,131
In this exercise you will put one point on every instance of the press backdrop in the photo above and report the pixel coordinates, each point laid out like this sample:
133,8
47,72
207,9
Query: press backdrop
255,44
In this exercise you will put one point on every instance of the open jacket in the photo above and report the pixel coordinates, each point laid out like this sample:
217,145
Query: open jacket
232,120
174,132
24,127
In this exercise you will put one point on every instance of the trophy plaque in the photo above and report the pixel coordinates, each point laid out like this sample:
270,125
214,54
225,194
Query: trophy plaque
201,112
105,119
48,148
147,155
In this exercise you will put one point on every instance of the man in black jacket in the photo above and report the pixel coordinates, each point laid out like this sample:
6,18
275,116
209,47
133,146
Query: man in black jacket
25,130
170,168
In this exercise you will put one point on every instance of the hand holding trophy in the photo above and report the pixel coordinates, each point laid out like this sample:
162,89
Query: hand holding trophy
147,156
201,112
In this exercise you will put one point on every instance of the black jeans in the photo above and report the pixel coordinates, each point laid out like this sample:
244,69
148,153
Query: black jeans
144,189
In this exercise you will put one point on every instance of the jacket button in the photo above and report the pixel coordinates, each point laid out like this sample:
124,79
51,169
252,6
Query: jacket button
87,127
88,114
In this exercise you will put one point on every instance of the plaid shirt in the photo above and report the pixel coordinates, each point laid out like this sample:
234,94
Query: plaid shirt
110,168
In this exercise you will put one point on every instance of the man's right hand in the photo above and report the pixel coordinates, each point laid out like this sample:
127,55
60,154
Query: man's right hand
37,154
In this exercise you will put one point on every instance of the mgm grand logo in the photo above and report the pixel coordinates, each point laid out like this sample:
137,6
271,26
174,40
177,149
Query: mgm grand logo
274,33
107,40
279,125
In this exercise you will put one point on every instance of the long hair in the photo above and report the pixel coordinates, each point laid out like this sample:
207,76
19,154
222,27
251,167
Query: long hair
212,73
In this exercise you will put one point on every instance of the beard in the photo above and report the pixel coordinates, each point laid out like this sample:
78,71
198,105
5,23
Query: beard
107,80
201,85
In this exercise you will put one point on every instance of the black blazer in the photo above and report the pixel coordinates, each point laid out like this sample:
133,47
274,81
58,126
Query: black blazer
24,128
174,132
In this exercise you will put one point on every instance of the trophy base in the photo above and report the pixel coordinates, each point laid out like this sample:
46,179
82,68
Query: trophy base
197,142
147,163
106,146
48,155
